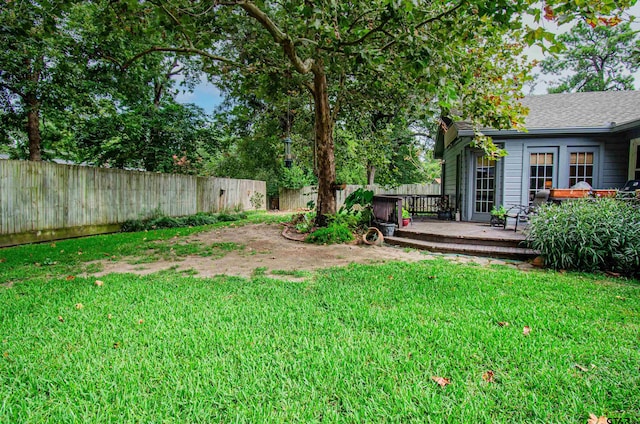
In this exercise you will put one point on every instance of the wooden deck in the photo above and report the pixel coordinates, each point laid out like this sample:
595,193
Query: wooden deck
467,238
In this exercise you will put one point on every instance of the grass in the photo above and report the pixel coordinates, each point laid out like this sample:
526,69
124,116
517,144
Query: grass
75,256
354,344
174,250
291,273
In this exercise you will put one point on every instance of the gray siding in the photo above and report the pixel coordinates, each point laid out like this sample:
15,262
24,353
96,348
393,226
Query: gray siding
612,156
611,163
615,165
512,180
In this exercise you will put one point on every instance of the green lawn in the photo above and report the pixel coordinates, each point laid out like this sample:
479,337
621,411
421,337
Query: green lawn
357,344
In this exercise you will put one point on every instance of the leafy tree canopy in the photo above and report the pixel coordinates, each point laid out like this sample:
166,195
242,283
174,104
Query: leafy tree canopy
354,60
596,57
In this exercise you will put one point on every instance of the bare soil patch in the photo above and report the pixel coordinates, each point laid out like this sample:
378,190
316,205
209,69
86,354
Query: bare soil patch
265,249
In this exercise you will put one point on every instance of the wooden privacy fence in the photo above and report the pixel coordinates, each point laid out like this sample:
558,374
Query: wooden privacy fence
46,201
291,200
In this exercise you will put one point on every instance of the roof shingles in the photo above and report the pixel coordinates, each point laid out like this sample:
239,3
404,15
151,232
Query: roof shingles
582,110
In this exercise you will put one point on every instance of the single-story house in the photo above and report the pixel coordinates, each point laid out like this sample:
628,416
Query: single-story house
571,137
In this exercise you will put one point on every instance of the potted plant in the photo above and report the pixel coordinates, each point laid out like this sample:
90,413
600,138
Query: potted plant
406,217
498,216
444,213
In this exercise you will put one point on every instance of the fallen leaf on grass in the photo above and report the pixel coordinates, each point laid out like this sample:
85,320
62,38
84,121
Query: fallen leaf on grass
488,376
442,382
116,345
503,324
581,368
140,321
2,260
593,419
79,306
60,318
526,330
99,283
71,277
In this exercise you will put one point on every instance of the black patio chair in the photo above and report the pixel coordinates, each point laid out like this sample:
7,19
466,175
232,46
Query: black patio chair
629,189
522,212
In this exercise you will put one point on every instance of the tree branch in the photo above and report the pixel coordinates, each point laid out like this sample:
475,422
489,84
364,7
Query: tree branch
379,28
304,67
183,50
309,87
175,21
441,15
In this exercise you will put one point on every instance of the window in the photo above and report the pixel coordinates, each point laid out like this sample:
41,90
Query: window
580,168
540,172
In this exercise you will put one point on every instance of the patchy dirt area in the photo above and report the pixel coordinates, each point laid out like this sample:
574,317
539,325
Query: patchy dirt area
265,250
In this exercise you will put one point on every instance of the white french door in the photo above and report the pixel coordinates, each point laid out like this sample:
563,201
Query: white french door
484,187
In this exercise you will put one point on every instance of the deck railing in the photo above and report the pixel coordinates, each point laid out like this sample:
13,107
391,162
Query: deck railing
388,208
418,204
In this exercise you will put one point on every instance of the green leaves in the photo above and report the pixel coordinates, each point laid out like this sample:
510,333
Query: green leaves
588,235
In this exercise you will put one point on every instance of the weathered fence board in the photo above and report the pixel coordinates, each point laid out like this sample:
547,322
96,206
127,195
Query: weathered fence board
45,198
291,200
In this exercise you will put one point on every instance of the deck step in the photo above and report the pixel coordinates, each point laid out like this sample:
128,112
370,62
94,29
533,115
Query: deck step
506,252
459,239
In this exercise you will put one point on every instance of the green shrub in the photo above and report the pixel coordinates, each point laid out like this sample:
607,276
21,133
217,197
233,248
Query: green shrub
133,226
257,200
225,217
295,178
200,219
165,222
588,235
360,205
350,220
332,234
160,221
305,222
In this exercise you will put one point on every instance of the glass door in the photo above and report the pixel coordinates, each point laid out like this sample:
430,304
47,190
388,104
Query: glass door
484,189
542,171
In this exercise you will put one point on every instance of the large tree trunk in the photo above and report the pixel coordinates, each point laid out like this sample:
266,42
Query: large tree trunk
33,128
325,147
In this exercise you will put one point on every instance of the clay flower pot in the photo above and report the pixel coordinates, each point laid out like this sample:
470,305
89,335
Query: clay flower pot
569,193
605,193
